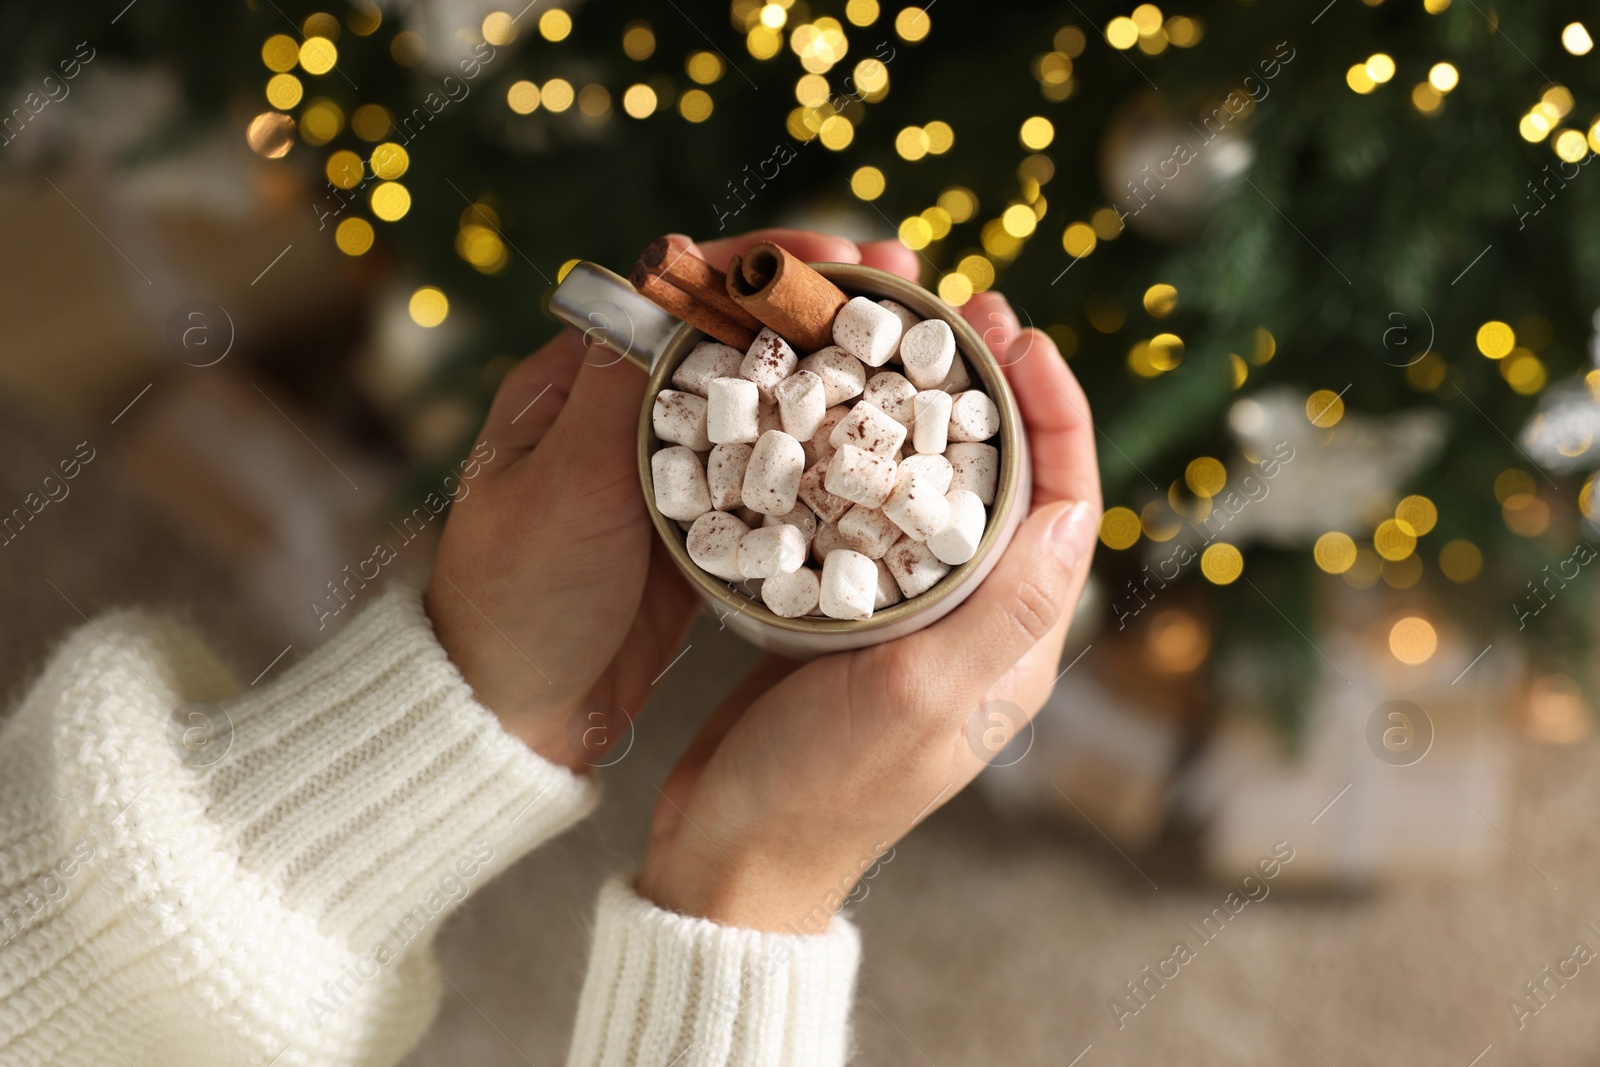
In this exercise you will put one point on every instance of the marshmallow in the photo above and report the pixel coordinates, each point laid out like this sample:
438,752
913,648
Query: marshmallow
768,417
680,483
802,403
859,476
843,375
928,349
705,361
713,544
749,516
849,585
973,417
976,467
891,392
958,541
908,319
915,506
792,595
930,421
888,590
772,478
769,361
958,380
770,550
867,427
816,496
725,469
867,331
819,449
936,467
914,567
680,418
867,531
731,411
826,541
801,518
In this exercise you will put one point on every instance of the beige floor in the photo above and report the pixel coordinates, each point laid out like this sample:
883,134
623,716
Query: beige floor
986,942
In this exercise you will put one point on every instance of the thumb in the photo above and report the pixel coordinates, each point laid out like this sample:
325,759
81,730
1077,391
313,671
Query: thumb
1027,599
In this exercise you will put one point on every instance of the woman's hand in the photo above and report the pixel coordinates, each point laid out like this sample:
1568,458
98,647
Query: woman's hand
549,592
806,775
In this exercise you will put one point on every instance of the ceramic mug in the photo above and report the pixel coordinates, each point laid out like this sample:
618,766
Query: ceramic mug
612,314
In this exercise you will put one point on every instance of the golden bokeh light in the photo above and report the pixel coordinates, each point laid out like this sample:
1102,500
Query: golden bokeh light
1460,560
1160,300
1119,528
1222,564
321,122
861,12
836,133
354,236
1380,67
1359,80
390,201
1417,513
703,68
523,97
558,95
280,53
638,40
1576,40
1205,476
1324,408
911,143
955,289
941,138
390,161
345,169
1122,33
1393,541
1443,76
867,183
1334,552
1037,132
428,306
912,24
1078,239
1412,640
283,91
639,101
499,28
318,55
555,24
371,122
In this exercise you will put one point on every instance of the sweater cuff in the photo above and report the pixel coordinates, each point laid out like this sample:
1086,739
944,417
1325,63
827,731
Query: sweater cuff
372,791
667,989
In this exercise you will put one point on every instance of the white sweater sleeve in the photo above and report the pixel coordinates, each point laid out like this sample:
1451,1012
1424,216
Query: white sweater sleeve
667,990
277,903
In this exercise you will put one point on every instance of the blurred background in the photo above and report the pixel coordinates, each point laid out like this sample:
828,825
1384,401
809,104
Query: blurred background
1328,272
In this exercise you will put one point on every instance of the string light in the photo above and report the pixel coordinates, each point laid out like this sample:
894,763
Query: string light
1120,528
555,24
1221,563
867,183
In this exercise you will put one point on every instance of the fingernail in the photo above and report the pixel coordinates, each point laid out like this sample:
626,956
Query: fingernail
1073,534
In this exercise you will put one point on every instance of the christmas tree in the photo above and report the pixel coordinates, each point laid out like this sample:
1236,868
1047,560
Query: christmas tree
1341,244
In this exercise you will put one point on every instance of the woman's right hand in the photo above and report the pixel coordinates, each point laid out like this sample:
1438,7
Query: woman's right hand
807,774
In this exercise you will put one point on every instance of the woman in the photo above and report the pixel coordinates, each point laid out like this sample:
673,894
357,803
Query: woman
277,905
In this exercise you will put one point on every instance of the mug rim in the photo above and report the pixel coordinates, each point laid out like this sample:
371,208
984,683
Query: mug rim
856,280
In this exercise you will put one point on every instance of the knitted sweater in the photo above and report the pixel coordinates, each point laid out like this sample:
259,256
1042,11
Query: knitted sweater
195,873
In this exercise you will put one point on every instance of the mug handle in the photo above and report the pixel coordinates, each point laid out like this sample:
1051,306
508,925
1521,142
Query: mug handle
610,312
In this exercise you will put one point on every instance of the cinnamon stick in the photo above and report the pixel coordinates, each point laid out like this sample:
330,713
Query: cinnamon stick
671,275
785,294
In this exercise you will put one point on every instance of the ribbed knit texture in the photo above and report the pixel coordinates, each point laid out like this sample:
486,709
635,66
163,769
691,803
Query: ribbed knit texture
667,990
279,902
277,906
